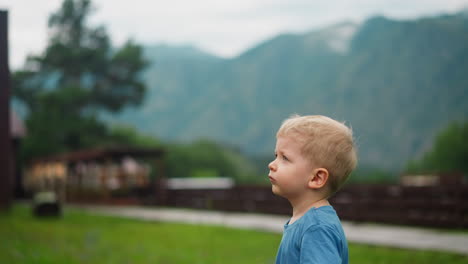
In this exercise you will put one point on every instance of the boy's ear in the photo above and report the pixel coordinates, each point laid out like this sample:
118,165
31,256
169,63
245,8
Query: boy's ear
319,178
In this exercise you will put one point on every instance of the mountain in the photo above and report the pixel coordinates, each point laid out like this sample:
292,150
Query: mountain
397,83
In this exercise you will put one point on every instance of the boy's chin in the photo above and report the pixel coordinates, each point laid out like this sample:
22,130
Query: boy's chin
275,190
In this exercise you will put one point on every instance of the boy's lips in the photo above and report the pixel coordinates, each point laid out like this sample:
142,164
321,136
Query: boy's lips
271,178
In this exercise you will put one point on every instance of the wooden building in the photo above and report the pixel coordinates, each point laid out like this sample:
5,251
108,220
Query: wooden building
101,174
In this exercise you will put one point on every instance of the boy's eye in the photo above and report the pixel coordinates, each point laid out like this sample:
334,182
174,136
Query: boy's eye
285,158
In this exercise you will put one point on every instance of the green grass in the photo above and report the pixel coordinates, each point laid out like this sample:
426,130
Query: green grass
80,237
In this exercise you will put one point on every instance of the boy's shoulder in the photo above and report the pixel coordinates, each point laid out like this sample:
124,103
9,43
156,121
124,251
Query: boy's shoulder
320,214
321,217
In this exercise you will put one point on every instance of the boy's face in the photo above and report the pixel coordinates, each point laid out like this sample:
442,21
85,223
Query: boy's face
290,171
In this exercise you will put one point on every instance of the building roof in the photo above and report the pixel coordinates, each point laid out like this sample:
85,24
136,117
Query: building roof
102,154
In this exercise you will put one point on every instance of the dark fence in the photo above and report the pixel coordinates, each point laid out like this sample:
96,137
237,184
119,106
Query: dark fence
436,206
240,199
441,206
444,206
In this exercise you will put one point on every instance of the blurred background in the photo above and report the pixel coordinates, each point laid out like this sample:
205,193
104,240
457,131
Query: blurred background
177,103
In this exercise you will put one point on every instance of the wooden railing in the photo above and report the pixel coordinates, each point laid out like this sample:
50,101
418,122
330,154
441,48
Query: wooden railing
441,206
436,206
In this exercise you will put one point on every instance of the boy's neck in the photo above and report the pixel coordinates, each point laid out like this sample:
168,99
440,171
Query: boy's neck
302,206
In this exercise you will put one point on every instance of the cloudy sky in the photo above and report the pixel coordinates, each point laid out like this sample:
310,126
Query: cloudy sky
222,27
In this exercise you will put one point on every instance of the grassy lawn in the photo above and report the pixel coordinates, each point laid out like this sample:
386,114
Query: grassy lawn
79,237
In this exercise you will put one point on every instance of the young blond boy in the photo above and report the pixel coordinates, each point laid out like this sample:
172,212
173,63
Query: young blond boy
314,157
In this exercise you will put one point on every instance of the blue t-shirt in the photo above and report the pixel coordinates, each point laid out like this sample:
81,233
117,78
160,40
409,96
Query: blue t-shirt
316,237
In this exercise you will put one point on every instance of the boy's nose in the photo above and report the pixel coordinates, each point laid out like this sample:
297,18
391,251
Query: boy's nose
272,166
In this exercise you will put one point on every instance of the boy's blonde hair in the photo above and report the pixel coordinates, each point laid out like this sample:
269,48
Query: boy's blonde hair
327,143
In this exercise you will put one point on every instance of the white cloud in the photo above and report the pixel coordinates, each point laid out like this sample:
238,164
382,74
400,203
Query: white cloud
225,28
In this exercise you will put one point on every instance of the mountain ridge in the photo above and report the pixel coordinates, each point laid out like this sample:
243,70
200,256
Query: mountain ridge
397,83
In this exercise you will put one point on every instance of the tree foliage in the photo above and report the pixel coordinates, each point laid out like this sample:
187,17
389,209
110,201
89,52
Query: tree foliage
205,158
449,152
79,75
128,135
